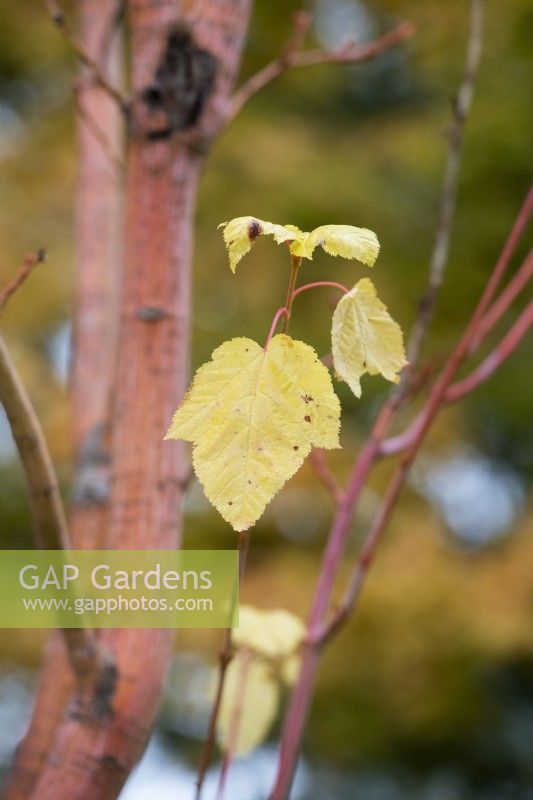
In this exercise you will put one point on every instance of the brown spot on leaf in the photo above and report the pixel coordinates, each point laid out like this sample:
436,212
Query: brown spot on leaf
295,447
307,398
254,230
307,418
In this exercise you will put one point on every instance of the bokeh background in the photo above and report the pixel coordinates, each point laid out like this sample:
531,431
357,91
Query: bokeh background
428,695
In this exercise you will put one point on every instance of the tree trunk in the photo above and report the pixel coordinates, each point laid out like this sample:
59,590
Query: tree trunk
97,219
172,123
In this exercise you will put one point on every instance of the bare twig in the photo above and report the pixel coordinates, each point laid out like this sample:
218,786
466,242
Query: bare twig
518,282
494,360
91,665
30,262
293,57
439,256
58,17
281,312
485,323
50,517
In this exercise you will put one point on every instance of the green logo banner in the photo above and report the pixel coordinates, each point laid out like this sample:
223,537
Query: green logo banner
118,588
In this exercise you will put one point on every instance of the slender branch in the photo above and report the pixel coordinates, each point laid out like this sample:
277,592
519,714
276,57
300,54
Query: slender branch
518,282
224,659
503,262
296,263
439,256
51,523
294,57
318,461
281,312
30,262
300,700
59,19
317,285
91,665
486,319
285,311
301,24
324,633
318,628
494,360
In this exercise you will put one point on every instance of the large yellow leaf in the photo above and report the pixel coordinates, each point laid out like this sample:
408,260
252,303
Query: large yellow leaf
253,416
240,234
365,338
339,240
249,704
272,633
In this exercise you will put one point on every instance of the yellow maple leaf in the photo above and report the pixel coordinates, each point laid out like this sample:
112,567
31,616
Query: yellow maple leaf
249,704
253,416
365,338
240,234
339,240
346,241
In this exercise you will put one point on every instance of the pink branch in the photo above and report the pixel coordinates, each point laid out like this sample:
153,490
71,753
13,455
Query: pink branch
319,284
501,266
300,699
501,353
399,443
507,297
281,312
326,632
